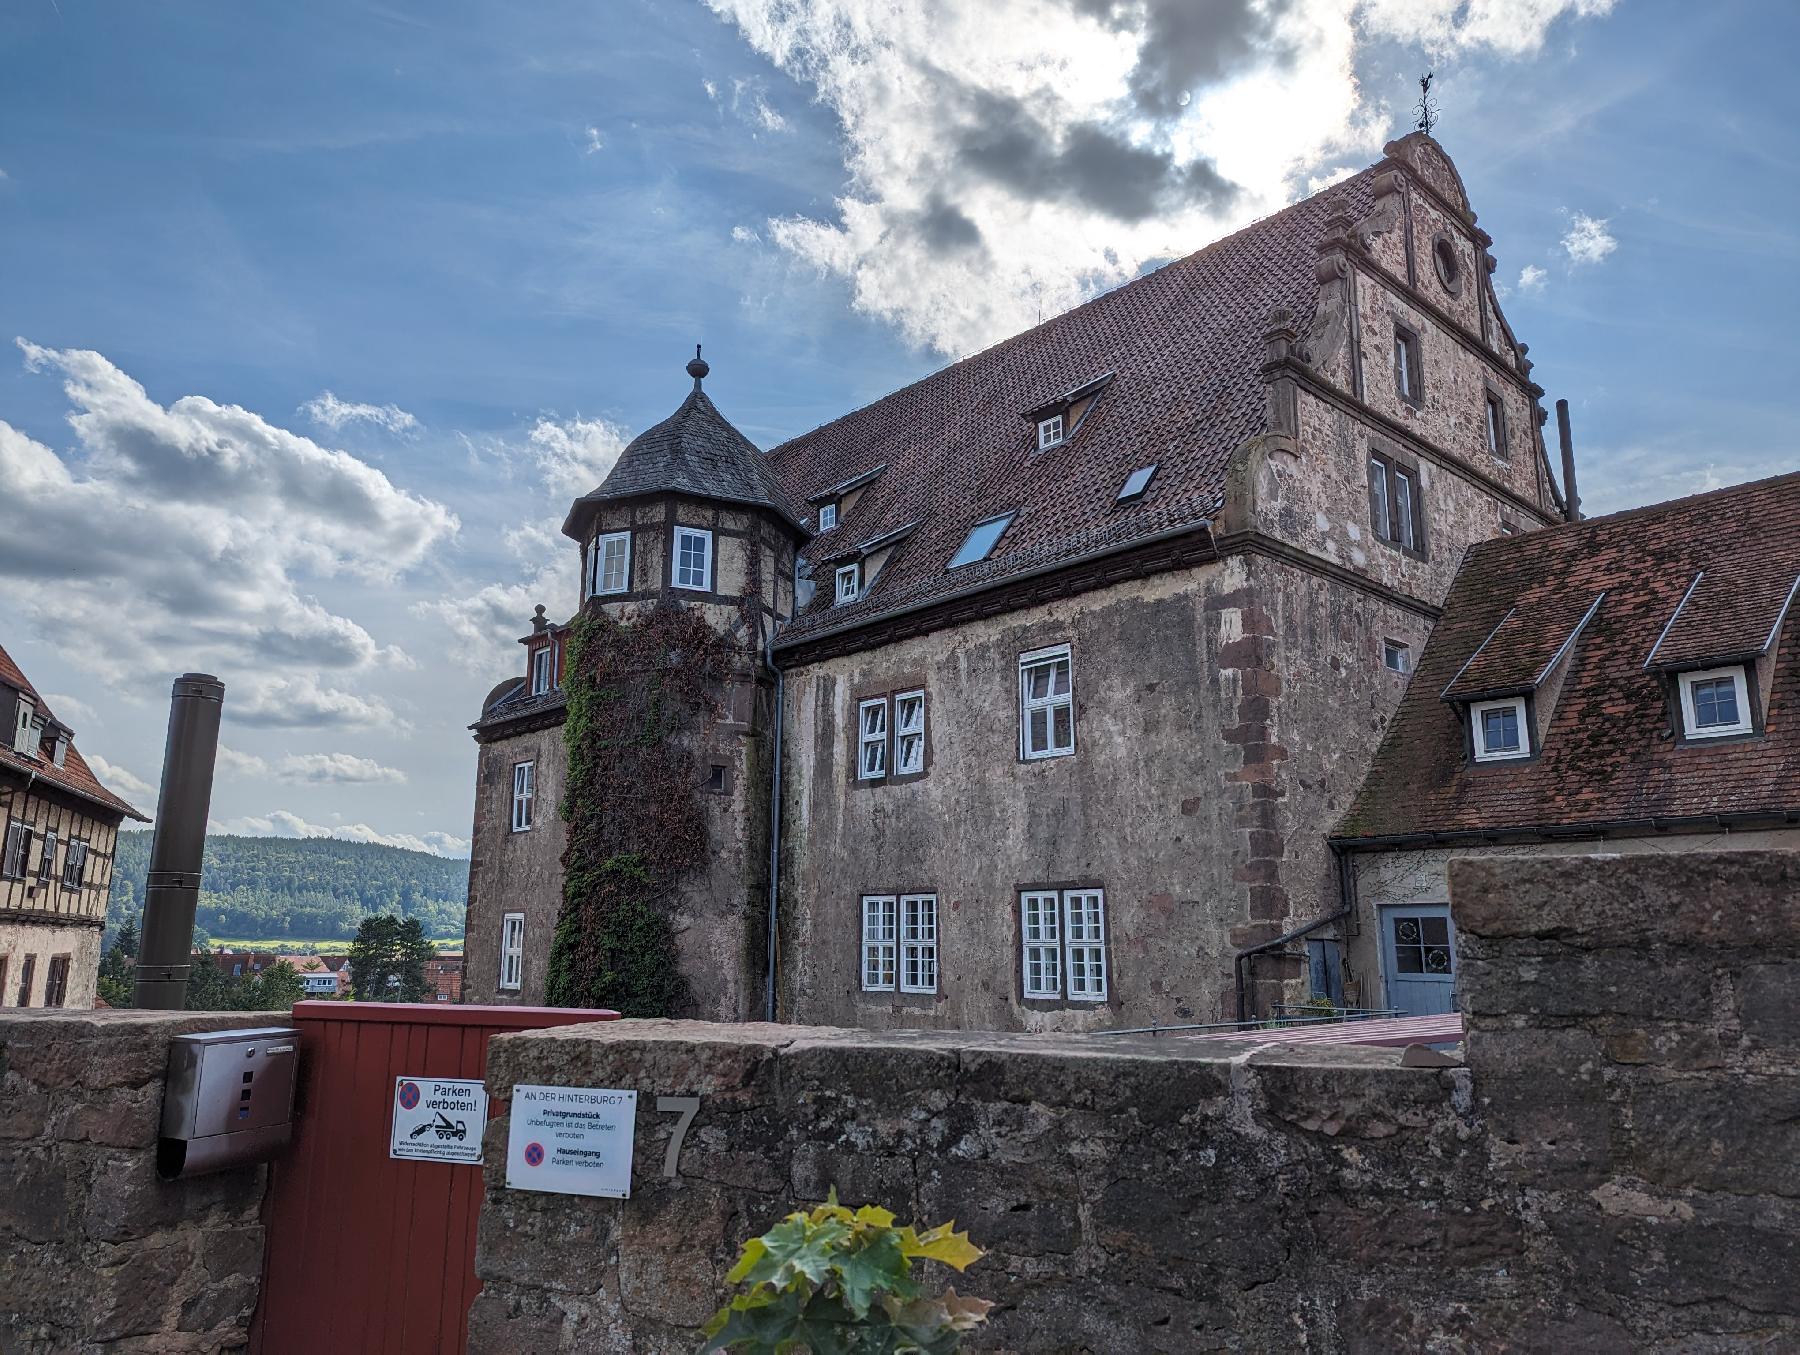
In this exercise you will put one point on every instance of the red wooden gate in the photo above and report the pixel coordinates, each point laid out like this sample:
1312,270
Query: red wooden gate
366,1253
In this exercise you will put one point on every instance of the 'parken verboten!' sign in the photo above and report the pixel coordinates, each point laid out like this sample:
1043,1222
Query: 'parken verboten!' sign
571,1140
437,1120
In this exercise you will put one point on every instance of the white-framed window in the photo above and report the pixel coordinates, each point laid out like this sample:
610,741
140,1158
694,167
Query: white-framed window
1396,655
1084,943
872,739
74,864
1715,702
1050,432
909,733
693,559
18,850
1040,931
879,916
541,670
1496,427
827,516
1395,510
47,861
1046,703
512,951
1062,938
524,795
849,582
1501,729
918,943
611,563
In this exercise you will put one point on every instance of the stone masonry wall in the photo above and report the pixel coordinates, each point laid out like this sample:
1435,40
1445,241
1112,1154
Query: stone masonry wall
1612,1171
96,1254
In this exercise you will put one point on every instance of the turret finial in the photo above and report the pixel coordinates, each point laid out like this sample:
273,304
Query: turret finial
697,368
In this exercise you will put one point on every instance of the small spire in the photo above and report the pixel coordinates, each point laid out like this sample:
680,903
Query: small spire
697,368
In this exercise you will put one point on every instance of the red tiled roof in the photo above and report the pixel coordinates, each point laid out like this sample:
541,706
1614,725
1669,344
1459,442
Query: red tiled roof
1185,345
1608,755
74,776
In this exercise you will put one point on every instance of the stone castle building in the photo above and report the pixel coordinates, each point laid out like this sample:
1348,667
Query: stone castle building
1059,666
58,825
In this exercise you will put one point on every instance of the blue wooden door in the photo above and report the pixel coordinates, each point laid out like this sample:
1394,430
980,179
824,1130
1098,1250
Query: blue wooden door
1418,959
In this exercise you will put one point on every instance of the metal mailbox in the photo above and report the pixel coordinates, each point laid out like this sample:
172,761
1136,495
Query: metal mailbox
229,1100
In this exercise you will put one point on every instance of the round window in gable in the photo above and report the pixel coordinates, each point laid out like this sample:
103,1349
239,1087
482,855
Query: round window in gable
1449,267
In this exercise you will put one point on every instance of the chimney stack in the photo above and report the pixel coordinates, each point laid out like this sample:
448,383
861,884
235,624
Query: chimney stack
172,890
1571,499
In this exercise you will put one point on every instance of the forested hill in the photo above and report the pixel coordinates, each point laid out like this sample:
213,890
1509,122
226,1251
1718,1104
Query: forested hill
255,888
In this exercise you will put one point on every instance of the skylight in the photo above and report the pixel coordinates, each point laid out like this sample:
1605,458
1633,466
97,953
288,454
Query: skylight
1136,483
981,539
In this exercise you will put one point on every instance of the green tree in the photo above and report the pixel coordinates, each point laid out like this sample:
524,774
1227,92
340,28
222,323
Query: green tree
387,959
211,989
118,967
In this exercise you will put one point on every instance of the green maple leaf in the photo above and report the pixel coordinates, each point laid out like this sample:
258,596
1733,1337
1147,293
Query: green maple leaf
878,1266
792,1248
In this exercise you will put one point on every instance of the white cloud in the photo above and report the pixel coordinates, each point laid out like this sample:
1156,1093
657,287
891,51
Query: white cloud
1512,28
1588,240
284,823
567,458
193,536
304,703
71,708
326,410
1009,159
122,782
592,140
233,763
336,769
744,235
1532,278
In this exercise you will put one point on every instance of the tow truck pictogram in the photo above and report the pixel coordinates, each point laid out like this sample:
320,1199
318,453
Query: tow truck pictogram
446,1128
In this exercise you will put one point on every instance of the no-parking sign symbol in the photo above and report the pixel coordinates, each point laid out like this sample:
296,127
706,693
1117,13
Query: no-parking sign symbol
534,1155
438,1119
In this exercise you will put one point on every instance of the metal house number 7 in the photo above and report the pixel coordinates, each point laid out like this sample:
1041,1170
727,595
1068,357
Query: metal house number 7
687,1107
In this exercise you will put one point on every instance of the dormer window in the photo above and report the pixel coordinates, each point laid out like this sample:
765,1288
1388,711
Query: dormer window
827,516
1501,730
541,676
24,738
1715,703
849,583
1050,432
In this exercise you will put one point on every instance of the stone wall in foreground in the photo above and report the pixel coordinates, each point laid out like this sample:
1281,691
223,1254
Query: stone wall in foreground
1615,1170
96,1254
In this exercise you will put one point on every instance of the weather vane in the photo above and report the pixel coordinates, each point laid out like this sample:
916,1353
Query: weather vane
1426,108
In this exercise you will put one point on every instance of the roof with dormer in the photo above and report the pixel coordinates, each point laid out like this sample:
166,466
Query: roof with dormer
694,451
74,776
1594,618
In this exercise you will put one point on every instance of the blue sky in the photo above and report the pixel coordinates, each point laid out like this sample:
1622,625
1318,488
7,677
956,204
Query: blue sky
327,310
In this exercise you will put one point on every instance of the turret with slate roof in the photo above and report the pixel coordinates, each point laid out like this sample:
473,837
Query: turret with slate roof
692,512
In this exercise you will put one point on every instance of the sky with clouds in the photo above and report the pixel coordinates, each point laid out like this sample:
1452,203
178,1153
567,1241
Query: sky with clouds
317,316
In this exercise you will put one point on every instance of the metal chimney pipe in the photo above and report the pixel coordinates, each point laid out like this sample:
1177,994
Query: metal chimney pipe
1571,500
172,891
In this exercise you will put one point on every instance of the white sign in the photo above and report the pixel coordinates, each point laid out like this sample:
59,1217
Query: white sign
571,1140
437,1120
